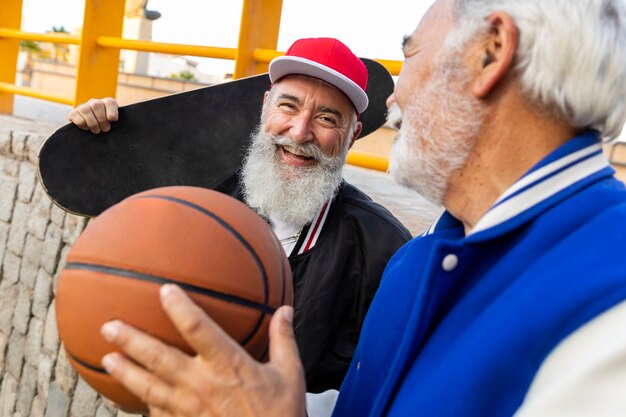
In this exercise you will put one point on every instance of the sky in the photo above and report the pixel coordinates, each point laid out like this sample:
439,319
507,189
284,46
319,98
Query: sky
372,29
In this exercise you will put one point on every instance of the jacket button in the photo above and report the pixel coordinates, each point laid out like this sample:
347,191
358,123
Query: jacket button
450,262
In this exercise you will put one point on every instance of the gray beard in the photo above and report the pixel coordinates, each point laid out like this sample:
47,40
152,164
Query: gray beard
288,193
438,131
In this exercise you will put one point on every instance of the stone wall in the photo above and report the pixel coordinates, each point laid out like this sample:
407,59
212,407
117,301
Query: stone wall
36,378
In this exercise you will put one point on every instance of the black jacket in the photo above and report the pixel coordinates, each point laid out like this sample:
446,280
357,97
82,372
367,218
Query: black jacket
335,281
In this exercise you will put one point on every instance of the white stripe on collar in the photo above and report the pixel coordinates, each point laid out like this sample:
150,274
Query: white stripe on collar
315,229
546,186
549,169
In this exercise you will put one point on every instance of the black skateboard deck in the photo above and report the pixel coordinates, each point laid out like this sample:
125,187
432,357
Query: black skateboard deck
193,138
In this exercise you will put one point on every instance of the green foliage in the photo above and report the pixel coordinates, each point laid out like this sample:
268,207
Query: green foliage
30,47
184,75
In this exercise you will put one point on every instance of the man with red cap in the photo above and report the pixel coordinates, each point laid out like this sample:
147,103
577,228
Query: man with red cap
291,176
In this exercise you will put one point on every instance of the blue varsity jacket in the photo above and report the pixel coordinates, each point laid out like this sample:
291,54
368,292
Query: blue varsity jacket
461,324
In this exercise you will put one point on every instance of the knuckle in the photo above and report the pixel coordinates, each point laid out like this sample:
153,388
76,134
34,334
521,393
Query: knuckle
155,359
82,108
192,325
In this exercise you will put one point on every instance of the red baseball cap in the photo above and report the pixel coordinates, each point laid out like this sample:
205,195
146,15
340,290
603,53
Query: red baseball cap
327,59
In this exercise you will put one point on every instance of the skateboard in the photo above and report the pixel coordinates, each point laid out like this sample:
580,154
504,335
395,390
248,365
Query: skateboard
196,138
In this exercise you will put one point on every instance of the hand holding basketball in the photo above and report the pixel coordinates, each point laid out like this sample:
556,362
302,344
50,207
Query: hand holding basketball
222,380
222,254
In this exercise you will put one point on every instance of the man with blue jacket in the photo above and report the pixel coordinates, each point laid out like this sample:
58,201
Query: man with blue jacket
514,302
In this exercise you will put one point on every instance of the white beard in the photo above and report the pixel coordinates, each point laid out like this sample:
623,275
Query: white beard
438,131
292,194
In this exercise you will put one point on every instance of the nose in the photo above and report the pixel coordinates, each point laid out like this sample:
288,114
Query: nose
300,130
390,100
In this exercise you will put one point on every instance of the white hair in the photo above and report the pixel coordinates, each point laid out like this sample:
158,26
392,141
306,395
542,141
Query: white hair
571,56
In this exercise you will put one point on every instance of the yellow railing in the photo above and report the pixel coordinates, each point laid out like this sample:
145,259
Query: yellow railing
101,39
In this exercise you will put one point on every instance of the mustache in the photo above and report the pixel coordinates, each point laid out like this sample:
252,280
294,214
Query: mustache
309,150
394,116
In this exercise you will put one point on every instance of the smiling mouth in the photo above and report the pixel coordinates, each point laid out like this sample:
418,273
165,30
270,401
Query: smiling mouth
295,152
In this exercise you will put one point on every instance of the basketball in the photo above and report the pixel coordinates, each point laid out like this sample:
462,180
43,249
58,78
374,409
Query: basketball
214,247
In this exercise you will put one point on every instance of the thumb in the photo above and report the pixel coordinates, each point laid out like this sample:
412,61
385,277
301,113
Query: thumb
283,348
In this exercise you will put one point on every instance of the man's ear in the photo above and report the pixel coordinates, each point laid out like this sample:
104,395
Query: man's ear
267,93
357,132
497,53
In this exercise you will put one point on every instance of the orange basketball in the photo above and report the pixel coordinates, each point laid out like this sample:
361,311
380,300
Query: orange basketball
220,252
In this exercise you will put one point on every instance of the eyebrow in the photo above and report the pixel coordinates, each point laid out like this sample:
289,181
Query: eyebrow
285,96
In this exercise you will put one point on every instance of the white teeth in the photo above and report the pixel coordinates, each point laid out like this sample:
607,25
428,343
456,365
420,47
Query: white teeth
294,150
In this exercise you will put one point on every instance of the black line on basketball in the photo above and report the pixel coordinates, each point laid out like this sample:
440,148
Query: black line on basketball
86,365
264,308
241,239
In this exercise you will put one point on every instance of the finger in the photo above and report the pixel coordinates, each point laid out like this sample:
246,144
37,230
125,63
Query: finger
146,386
86,113
75,117
111,107
165,361
99,110
283,348
197,328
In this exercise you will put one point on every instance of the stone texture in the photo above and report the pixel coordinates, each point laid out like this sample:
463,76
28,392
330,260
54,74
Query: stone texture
26,391
8,395
38,408
17,235
32,249
58,402
8,190
11,167
4,339
40,216
4,235
44,375
11,267
21,315
65,374
33,145
105,411
73,227
15,355
28,273
27,180
84,401
42,295
50,331
8,300
57,216
5,141
49,257
18,144
32,348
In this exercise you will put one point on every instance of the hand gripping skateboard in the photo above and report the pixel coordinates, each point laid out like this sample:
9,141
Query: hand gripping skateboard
194,138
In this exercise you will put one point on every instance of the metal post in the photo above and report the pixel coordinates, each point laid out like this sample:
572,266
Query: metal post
10,18
98,66
260,23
